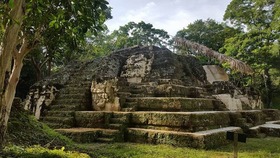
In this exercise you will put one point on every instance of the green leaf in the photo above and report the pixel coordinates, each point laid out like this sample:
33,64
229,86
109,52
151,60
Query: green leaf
11,3
51,24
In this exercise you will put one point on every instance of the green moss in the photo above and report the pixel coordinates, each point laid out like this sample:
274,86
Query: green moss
82,137
40,152
24,129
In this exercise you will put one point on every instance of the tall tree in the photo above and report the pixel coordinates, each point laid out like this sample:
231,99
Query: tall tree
97,45
139,34
258,45
209,33
27,24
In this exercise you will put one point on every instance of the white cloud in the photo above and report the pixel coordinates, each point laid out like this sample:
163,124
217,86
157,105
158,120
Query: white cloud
170,15
141,14
174,23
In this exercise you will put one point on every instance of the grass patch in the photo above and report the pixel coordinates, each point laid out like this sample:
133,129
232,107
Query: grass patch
25,130
40,152
254,148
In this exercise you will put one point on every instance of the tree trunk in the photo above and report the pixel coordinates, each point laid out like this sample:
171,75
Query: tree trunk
38,69
268,88
49,66
7,100
8,82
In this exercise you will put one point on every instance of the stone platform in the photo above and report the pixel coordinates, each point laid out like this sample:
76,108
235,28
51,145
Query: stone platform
200,129
147,95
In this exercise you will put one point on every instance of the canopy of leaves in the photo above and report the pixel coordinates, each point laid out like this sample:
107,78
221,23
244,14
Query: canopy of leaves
139,34
208,33
59,26
259,43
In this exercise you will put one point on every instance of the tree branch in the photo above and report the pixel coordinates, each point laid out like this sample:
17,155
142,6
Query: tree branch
196,48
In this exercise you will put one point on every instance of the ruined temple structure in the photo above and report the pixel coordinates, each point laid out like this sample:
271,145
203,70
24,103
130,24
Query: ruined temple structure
148,95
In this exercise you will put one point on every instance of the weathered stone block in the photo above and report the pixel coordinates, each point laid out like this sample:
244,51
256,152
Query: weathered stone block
90,119
192,121
164,137
173,104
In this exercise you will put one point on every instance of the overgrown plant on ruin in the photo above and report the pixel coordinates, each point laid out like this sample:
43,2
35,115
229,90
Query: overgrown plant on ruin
198,49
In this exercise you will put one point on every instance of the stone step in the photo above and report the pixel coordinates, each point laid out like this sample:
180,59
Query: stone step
175,104
272,130
254,132
273,114
139,85
192,121
137,91
273,122
203,139
173,90
115,126
60,120
60,113
92,119
139,95
69,101
120,114
128,109
130,105
179,129
120,120
105,140
79,77
79,84
108,133
72,96
170,81
65,107
57,125
75,90
90,135
187,121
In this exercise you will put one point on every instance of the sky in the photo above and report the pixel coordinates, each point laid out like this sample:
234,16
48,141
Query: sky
170,15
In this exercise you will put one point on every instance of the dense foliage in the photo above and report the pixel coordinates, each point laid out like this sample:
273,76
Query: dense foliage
258,44
209,33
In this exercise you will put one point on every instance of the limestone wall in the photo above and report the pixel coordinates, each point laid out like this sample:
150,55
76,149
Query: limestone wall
104,95
137,67
39,98
215,73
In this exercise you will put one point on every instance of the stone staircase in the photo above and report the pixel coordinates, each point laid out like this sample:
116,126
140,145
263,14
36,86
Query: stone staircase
74,96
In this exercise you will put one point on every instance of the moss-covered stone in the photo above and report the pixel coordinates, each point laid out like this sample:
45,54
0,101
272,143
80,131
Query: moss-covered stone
165,137
90,119
174,104
186,121
272,130
173,90
82,137
255,117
